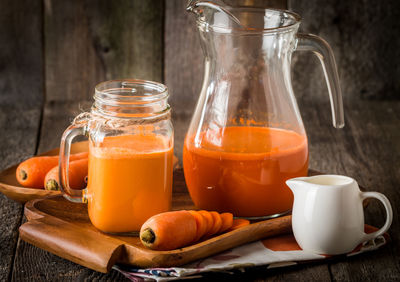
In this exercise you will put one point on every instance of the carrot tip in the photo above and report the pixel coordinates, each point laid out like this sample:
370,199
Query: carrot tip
23,175
147,236
52,185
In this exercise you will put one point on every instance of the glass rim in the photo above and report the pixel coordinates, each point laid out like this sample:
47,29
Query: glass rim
131,98
109,89
252,30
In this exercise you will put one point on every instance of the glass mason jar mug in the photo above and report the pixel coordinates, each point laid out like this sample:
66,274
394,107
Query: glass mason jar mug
130,155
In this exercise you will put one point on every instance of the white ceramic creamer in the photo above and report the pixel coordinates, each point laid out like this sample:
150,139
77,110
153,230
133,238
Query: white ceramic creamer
328,215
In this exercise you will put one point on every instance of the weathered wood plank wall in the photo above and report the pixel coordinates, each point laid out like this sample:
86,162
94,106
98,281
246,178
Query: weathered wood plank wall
183,71
87,42
21,98
363,37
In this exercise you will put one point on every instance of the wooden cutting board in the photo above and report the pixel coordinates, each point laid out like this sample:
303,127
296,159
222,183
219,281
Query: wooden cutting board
63,228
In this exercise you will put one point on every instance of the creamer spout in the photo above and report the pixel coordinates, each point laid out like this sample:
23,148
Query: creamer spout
296,183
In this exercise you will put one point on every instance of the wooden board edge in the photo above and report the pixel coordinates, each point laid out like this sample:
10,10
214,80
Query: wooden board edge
91,249
24,195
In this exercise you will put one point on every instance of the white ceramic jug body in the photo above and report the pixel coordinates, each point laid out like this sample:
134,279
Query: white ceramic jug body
328,216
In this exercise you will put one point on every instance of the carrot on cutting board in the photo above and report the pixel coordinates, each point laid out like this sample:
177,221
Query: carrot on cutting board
239,223
227,221
176,229
77,173
169,230
217,222
31,173
201,223
209,219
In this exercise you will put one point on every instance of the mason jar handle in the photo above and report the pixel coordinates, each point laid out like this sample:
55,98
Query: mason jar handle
317,45
389,214
73,195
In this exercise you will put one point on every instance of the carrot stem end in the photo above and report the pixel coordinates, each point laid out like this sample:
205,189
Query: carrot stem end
147,236
52,185
23,175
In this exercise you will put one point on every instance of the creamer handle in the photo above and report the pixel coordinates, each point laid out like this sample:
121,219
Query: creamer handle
389,214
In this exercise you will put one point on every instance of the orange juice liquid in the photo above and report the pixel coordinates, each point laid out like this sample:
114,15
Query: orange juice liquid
129,180
243,169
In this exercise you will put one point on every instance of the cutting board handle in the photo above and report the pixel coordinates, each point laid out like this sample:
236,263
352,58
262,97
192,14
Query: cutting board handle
86,247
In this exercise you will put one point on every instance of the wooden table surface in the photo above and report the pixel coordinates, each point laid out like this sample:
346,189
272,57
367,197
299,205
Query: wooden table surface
52,53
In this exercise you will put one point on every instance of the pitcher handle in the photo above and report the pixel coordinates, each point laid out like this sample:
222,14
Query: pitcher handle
310,42
73,195
389,214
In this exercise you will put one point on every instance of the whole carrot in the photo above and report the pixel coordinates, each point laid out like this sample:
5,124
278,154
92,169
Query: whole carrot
168,230
31,173
77,173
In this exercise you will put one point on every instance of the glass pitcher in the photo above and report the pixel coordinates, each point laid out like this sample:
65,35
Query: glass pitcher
246,136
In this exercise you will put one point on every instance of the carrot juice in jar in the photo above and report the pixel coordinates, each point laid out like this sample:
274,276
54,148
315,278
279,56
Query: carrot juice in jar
129,180
130,155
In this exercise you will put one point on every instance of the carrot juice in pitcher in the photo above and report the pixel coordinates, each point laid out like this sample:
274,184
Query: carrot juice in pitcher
129,180
243,169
